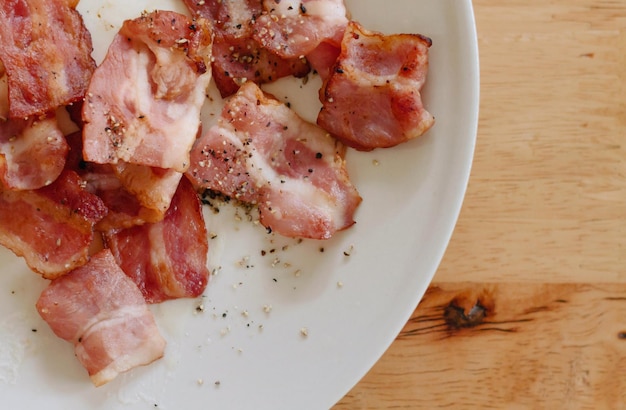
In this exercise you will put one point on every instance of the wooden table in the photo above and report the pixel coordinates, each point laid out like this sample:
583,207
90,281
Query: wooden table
528,307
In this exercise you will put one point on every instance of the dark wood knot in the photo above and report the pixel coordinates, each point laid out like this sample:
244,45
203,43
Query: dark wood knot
456,318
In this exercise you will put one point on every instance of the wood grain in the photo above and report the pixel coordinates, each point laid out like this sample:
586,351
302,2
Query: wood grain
535,274
547,195
515,346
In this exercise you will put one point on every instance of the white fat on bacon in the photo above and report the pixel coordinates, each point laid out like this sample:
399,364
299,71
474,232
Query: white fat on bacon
46,51
143,103
262,153
51,227
371,98
167,259
237,56
134,194
294,28
153,187
32,152
100,310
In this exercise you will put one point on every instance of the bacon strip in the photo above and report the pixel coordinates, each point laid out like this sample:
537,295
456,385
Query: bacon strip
261,152
52,227
46,51
32,152
144,100
4,95
237,55
98,309
385,71
133,194
293,28
168,259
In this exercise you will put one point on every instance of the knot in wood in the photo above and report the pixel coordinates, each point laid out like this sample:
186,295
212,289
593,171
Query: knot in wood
456,318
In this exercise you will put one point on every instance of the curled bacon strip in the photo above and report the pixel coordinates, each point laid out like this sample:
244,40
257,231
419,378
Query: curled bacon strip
293,28
100,310
51,227
32,152
238,57
46,51
143,102
167,259
133,194
261,152
385,71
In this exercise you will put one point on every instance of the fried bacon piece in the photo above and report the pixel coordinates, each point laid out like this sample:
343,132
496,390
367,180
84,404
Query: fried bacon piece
237,55
46,51
143,103
133,194
51,227
167,259
32,152
262,153
100,310
371,98
293,28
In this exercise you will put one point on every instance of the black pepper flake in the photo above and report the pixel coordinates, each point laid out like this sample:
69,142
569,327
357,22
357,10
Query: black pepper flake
338,70
224,314
318,155
268,229
263,253
34,330
322,250
302,8
275,280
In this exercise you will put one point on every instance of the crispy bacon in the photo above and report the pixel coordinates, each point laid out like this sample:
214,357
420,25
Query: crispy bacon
100,310
143,102
4,95
46,51
52,227
32,152
237,56
133,194
385,71
261,152
293,28
153,187
167,259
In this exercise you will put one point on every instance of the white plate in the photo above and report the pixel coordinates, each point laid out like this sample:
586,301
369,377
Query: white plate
234,354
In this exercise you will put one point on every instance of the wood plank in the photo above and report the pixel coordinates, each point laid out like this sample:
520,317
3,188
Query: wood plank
546,197
505,345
